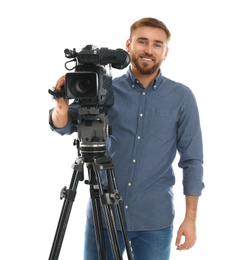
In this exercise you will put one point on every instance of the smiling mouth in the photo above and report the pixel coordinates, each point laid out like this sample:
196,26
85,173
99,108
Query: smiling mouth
146,59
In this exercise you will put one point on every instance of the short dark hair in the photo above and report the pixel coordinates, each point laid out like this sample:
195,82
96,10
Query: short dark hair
151,22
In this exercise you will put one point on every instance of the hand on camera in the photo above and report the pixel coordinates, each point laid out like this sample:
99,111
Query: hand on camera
62,103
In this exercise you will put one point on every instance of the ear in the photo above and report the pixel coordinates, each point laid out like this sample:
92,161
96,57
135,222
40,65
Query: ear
165,54
127,45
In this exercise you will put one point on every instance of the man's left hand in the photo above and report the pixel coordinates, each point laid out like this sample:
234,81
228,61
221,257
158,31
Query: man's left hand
188,230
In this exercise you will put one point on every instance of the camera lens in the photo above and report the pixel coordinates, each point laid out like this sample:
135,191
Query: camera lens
81,85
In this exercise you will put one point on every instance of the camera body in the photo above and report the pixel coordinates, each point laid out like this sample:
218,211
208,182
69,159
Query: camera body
91,84
91,88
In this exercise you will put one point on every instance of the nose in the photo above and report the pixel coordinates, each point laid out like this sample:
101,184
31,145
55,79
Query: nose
148,49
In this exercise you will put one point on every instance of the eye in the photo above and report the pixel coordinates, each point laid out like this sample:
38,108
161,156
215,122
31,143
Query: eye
142,42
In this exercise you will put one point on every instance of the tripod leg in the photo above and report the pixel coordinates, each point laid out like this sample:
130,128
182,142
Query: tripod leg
108,199
122,219
114,229
98,224
124,232
110,222
69,196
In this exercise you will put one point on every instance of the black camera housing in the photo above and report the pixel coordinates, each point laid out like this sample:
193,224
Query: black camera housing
91,88
91,84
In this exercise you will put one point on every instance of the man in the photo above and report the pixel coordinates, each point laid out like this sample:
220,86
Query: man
152,117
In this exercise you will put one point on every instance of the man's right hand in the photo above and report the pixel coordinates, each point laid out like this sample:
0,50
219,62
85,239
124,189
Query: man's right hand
62,103
60,112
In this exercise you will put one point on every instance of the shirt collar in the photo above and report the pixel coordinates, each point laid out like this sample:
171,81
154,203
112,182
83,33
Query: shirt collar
154,85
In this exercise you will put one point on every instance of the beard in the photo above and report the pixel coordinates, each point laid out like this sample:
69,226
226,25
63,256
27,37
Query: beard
144,68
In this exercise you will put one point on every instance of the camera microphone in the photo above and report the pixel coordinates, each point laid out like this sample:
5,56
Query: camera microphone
70,54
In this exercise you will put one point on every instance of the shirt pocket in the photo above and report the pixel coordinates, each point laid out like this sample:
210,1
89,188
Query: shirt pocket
163,123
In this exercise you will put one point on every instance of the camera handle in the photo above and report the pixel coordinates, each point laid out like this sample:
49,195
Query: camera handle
56,94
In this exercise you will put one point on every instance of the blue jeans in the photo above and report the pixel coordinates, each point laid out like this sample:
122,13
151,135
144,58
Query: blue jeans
146,245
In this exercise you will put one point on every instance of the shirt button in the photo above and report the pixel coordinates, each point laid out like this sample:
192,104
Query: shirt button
144,93
129,184
126,206
141,114
139,137
132,86
134,161
155,86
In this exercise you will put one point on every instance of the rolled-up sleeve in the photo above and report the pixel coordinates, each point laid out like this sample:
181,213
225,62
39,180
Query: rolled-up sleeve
190,147
71,126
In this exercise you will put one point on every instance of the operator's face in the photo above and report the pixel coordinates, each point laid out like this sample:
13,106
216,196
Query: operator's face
148,48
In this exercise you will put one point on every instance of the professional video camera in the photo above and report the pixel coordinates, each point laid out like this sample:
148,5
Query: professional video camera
90,84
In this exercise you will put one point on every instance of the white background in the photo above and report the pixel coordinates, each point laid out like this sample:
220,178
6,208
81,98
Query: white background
36,162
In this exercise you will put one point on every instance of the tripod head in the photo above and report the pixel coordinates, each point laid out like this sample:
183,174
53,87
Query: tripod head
93,129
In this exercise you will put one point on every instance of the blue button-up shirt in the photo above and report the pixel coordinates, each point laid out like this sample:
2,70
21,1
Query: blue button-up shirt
149,126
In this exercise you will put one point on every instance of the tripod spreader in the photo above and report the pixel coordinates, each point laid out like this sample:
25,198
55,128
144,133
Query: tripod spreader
111,198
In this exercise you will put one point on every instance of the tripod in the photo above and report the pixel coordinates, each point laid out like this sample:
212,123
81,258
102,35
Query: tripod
92,132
